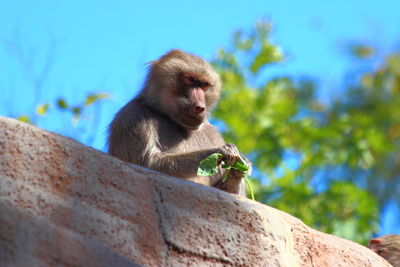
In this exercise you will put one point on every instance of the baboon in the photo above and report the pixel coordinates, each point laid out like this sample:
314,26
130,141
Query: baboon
388,247
166,127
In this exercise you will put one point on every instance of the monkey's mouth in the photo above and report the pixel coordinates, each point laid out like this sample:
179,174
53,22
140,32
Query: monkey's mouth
191,122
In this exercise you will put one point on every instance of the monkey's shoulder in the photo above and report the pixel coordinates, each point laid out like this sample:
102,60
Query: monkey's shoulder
135,113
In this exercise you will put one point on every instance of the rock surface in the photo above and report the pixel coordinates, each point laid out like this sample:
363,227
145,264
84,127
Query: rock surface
64,204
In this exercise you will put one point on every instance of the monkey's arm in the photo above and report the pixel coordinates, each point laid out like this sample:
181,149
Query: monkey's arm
179,165
186,165
183,165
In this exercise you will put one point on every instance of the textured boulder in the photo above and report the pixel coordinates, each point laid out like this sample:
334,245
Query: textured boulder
26,240
62,203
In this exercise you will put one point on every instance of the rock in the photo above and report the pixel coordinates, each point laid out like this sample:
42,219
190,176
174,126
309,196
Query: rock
28,240
62,203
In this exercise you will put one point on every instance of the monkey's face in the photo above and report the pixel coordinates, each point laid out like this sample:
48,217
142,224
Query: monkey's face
184,87
191,101
186,104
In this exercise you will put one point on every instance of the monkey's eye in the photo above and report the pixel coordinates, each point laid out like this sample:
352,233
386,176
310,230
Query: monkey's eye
188,80
205,85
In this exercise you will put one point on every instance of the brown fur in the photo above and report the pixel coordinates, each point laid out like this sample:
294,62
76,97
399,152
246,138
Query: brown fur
388,247
154,131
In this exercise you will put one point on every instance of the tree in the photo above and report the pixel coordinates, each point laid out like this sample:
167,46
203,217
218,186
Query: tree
371,105
319,163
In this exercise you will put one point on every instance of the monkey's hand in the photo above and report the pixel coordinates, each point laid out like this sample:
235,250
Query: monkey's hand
234,182
227,168
231,155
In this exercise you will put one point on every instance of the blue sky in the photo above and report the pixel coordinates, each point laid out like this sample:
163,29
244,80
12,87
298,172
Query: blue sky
103,45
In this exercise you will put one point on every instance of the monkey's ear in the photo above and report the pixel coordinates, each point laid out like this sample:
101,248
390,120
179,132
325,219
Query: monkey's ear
374,244
150,63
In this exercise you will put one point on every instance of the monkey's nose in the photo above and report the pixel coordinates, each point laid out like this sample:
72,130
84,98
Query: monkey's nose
199,109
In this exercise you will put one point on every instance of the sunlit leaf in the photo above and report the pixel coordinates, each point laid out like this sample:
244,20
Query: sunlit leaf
90,99
24,118
240,165
208,166
42,109
242,42
77,111
362,51
269,54
61,103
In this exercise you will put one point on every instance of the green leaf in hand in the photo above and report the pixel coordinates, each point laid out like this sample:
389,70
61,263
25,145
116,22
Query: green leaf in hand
209,165
240,165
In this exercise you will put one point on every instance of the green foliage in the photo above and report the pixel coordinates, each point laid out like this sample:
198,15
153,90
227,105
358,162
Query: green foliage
209,165
372,109
338,209
92,98
42,109
62,105
77,110
24,118
311,158
362,51
77,120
